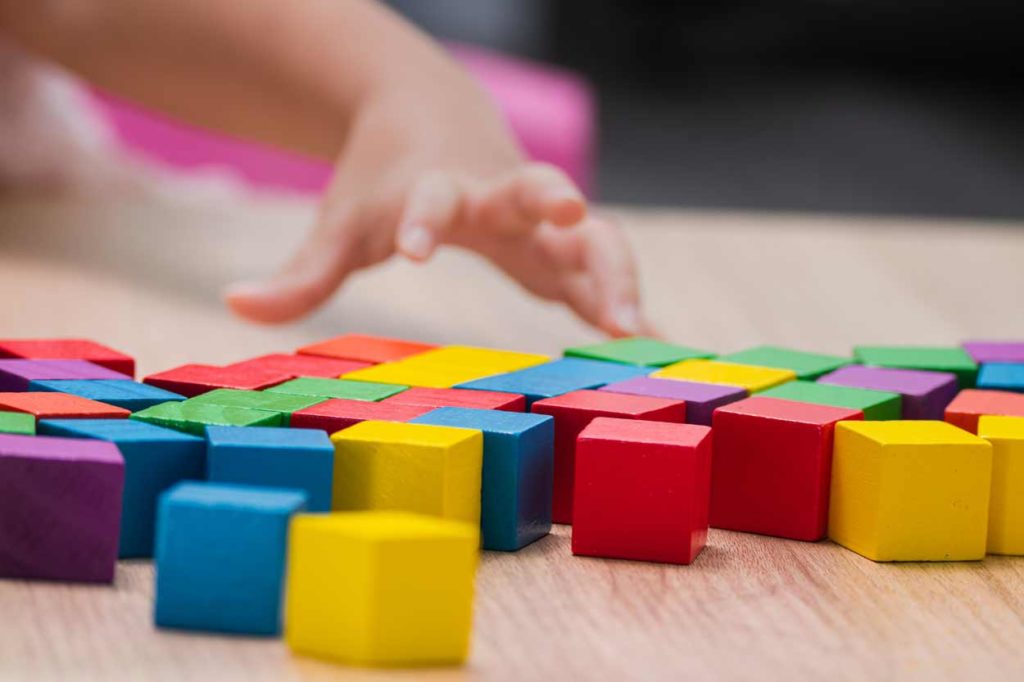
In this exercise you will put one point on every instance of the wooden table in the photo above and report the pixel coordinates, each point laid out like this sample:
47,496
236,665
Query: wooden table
145,278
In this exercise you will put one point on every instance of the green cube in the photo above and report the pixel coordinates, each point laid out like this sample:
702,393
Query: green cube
806,365
639,351
21,423
876,405
281,403
195,417
337,388
933,358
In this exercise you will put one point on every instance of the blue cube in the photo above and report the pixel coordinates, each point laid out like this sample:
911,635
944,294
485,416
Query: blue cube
1002,376
280,458
516,484
155,458
131,395
557,377
220,557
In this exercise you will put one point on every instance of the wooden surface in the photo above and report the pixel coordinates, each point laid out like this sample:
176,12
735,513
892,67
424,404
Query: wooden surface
145,278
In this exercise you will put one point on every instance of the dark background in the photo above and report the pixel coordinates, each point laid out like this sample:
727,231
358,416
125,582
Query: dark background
903,106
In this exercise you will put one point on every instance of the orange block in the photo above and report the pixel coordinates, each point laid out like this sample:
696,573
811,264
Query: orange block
972,403
50,405
365,348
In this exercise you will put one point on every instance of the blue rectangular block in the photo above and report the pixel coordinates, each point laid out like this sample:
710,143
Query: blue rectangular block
155,458
557,377
1002,376
279,458
220,557
131,395
516,483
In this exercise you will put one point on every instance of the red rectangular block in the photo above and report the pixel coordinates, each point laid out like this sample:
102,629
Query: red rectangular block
193,380
642,490
51,405
460,397
373,349
971,404
68,349
340,413
772,466
574,411
301,365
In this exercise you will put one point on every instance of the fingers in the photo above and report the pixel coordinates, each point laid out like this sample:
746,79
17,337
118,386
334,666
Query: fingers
533,194
431,211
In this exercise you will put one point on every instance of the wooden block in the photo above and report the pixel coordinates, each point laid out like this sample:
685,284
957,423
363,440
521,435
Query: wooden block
47,405
220,557
60,501
337,388
365,348
556,378
155,458
380,588
412,374
68,349
924,394
17,375
339,413
642,490
701,399
995,351
573,411
283,404
1006,507
805,365
275,458
301,365
876,405
1002,376
772,466
748,377
20,423
516,480
433,470
910,491
191,380
930,358
971,404
131,395
459,397
639,351
195,417
490,359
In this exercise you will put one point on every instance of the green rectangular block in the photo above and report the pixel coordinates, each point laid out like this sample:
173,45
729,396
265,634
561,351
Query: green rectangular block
876,405
933,358
337,388
806,365
195,417
638,350
281,403
21,423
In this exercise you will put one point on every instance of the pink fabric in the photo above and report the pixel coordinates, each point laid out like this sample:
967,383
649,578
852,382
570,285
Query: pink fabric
551,112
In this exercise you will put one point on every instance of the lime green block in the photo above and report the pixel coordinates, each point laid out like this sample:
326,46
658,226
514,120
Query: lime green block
876,405
934,358
337,388
21,423
806,365
195,417
639,351
282,403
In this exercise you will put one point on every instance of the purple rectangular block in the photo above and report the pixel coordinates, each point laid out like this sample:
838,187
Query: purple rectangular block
701,399
60,508
16,375
995,351
925,394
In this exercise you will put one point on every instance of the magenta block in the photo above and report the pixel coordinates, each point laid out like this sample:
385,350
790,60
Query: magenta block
995,351
16,375
701,399
925,394
60,508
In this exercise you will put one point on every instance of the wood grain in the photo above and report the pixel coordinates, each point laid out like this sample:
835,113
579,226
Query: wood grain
144,278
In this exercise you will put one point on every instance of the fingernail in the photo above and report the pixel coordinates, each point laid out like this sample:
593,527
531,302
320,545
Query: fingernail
627,318
416,241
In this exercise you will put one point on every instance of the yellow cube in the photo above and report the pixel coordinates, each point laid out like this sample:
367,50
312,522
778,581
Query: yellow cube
380,588
1006,510
433,470
414,374
910,491
751,377
483,359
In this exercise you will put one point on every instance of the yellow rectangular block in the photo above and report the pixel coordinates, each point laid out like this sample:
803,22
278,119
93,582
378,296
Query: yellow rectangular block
910,491
413,374
380,588
751,377
1006,509
486,359
433,470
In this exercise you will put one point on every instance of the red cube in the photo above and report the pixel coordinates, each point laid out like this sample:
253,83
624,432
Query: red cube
366,348
642,490
193,380
460,397
340,413
53,405
302,365
574,411
972,403
772,466
68,349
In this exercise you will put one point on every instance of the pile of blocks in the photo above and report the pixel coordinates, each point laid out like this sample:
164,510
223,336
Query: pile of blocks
340,495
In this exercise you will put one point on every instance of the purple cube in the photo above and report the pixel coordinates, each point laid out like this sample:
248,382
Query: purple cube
995,351
701,399
925,394
16,375
60,508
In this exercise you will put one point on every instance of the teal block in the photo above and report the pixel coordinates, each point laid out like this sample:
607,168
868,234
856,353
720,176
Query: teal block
131,395
1002,376
557,377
